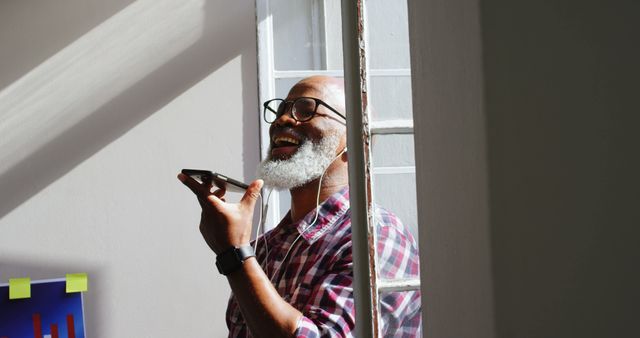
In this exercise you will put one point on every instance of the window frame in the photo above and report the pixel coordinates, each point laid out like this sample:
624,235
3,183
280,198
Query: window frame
367,286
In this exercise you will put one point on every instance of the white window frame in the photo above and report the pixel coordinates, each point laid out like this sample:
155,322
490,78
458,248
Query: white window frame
367,286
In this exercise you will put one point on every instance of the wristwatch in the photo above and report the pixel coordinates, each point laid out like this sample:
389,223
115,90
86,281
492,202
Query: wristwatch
232,259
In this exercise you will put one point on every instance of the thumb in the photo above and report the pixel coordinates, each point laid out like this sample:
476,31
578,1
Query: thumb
251,195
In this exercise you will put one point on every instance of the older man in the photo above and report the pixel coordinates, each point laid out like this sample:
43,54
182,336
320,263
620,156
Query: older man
299,283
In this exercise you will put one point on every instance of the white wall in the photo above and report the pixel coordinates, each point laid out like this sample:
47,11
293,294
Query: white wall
94,186
527,161
451,169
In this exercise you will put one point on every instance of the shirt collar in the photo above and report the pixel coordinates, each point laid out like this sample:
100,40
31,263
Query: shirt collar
329,211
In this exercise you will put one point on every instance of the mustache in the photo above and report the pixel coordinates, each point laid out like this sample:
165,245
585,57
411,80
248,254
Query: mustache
291,131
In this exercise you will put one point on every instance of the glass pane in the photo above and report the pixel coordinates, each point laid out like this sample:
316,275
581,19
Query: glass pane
296,35
390,97
388,34
400,314
307,35
392,150
397,193
388,49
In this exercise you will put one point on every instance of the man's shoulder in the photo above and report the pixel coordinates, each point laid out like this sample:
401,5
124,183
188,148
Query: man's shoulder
397,248
390,227
387,219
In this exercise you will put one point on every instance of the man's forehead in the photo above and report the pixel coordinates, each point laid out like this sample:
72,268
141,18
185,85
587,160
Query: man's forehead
306,89
328,89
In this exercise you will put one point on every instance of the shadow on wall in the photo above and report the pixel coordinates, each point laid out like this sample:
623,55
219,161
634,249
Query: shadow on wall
37,165
15,268
45,27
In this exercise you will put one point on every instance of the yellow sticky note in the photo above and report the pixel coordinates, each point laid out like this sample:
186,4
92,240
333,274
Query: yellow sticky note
19,288
77,282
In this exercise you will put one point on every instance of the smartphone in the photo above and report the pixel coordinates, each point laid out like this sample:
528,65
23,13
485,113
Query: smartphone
221,181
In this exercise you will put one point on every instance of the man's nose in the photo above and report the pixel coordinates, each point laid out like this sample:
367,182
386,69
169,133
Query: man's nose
286,118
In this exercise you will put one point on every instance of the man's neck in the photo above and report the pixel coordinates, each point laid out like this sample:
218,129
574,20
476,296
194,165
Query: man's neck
304,199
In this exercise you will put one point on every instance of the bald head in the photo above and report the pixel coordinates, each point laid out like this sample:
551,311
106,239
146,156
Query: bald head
327,88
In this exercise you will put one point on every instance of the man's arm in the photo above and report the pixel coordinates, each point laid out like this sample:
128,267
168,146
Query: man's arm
325,299
330,310
224,225
264,311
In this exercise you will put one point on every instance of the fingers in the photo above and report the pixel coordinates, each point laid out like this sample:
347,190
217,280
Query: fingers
215,200
220,197
220,193
251,195
199,189
202,191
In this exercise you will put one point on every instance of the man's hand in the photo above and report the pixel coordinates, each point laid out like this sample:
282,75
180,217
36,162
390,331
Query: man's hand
223,224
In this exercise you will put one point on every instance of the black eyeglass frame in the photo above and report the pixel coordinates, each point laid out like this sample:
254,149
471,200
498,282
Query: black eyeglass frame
318,102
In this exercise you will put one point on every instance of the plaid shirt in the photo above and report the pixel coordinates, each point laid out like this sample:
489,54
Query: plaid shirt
317,276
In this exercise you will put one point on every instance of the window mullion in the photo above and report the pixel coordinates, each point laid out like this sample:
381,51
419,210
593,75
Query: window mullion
317,31
289,74
392,127
395,285
361,192
393,170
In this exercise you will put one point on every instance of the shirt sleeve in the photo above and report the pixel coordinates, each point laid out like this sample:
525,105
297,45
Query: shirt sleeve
330,311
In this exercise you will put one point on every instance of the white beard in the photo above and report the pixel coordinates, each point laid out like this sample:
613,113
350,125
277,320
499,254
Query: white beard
307,164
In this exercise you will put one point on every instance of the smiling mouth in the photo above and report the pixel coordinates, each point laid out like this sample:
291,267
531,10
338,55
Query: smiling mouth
283,146
285,142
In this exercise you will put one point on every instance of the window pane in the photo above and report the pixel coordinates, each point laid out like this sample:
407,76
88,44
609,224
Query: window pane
397,193
390,97
296,33
393,150
388,34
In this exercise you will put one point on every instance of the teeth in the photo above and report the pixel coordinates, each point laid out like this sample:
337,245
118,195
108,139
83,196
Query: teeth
279,140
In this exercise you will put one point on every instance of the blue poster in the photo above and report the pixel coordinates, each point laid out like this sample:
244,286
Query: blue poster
50,312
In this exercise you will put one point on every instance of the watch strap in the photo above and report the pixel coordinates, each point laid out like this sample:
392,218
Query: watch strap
232,259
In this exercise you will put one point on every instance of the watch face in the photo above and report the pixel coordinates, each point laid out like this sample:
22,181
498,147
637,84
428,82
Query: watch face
229,261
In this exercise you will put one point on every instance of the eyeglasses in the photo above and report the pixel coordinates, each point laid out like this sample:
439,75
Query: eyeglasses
302,109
